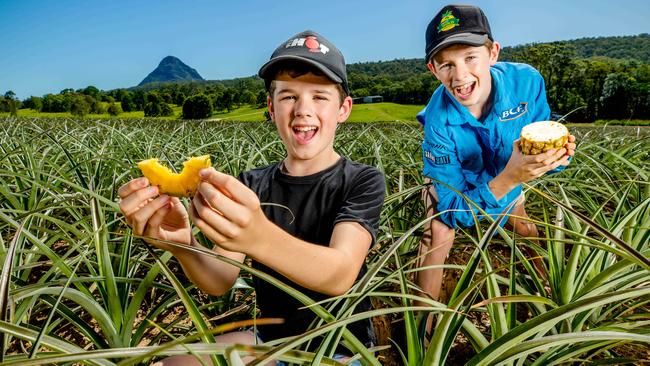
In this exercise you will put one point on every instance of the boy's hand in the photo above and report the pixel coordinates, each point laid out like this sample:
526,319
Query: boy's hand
570,146
152,216
228,212
524,168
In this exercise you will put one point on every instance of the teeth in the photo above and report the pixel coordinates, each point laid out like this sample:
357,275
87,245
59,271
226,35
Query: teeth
464,89
305,128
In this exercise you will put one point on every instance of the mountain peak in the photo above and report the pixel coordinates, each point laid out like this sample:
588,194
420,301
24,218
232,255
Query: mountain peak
171,69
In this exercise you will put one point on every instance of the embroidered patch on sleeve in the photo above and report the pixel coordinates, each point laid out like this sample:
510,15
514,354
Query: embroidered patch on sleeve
437,160
434,146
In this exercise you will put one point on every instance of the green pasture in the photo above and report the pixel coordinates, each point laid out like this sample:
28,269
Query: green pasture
375,112
384,112
77,287
249,113
360,113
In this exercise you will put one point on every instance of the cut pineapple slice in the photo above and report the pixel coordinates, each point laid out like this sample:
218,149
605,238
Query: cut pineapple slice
181,184
539,137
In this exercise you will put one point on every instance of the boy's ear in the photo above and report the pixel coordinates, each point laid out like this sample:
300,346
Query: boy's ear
432,69
269,106
494,52
345,109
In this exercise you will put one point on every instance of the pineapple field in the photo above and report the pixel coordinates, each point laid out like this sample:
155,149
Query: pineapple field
77,287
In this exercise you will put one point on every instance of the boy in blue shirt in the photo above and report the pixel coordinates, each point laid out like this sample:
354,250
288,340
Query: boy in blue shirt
472,125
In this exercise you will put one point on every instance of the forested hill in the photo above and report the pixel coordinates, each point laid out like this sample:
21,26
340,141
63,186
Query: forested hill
622,48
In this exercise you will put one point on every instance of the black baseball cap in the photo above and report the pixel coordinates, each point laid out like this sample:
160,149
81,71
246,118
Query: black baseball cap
454,24
313,49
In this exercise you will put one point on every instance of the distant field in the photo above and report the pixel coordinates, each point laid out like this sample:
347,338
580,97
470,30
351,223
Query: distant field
246,113
360,113
384,112
136,114
376,112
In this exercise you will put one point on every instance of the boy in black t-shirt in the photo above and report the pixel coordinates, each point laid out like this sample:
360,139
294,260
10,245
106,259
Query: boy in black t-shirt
335,202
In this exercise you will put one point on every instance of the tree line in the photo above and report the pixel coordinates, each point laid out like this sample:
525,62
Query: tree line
589,79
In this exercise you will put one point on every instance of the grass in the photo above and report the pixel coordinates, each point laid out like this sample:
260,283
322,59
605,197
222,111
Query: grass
386,112
30,113
249,113
360,113
632,122
77,287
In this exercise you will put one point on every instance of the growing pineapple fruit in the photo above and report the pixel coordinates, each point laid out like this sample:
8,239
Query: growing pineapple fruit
539,137
181,184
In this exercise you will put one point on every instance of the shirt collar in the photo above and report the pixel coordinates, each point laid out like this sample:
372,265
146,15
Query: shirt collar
457,114
501,99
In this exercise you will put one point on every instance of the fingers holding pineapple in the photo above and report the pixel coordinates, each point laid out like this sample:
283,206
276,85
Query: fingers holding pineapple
524,168
154,216
550,159
543,146
570,146
134,195
228,212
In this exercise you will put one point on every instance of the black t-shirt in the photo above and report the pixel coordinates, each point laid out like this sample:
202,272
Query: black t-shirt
347,191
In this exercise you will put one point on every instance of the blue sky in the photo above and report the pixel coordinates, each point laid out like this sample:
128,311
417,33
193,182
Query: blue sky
46,46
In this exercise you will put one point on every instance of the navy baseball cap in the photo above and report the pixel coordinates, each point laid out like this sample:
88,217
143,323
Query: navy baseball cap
457,24
313,49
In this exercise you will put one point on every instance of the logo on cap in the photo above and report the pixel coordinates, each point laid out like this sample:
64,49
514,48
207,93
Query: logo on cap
310,42
448,21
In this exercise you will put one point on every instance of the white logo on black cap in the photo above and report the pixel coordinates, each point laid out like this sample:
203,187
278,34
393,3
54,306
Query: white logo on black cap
310,42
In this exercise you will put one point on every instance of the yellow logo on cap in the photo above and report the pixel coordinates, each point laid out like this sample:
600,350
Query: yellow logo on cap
448,21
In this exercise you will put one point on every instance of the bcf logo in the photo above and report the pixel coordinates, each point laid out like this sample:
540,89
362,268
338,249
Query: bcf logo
515,112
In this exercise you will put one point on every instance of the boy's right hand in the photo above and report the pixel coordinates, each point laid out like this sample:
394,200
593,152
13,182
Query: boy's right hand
152,216
523,168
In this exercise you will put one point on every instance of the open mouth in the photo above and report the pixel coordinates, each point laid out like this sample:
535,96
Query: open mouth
304,134
464,91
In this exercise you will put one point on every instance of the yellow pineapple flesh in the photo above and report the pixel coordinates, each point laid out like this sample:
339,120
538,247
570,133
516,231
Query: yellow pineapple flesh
539,137
181,184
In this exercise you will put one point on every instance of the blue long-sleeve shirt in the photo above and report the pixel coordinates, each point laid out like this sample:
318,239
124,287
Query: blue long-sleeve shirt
466,153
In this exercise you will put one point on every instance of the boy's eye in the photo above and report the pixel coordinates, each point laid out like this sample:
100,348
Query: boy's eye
320,97
288,97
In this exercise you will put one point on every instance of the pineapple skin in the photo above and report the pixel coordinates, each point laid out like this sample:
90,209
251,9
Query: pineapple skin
181,184
532,147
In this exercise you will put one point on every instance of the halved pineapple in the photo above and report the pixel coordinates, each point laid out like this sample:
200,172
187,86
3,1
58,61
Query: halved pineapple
181,184
539,137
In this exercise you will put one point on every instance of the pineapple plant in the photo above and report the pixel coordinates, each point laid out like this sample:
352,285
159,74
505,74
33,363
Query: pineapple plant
181,184
539,137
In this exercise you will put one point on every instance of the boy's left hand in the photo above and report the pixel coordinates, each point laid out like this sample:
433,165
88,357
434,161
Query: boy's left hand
228,212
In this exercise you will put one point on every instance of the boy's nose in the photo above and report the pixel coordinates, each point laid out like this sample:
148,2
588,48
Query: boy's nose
459,72
303,108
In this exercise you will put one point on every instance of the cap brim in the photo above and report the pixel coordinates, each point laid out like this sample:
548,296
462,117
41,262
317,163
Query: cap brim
471,39
265,70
